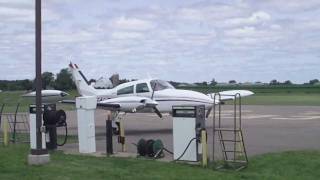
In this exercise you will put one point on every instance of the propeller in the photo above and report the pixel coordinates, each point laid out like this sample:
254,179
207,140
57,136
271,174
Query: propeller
156,110
151,104
208,112
153,90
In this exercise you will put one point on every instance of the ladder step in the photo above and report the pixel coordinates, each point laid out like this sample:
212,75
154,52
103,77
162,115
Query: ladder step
230,140
226,129
232,151
236,161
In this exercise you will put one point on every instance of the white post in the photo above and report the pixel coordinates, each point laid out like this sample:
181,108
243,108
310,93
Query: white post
33,129
86,127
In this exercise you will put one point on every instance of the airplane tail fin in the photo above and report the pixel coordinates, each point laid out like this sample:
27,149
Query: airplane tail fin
82,83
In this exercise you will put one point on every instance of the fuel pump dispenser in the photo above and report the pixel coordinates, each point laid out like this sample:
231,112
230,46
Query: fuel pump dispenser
51,120
188,122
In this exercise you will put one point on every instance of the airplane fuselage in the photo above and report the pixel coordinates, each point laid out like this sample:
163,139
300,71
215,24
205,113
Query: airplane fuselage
148,94
162,92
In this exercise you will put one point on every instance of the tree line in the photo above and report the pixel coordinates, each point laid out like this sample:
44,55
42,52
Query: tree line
62,81
213,82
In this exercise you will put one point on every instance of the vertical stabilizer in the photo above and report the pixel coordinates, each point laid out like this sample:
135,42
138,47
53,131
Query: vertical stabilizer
81,82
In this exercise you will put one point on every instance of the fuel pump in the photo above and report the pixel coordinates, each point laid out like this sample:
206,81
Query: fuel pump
188,123
52,119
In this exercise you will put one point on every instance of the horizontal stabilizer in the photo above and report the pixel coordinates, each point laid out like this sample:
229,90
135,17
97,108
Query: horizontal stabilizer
230,94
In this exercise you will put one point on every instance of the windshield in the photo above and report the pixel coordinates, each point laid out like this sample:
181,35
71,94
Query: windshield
160,85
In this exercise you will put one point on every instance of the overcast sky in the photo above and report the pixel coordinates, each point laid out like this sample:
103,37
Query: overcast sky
189,40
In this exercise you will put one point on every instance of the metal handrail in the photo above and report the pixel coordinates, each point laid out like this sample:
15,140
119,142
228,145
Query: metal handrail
237,127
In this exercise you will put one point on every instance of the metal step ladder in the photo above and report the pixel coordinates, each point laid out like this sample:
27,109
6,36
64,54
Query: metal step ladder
231,138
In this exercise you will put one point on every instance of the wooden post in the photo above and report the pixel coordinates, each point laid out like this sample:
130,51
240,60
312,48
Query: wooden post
122,135
5,133
204,148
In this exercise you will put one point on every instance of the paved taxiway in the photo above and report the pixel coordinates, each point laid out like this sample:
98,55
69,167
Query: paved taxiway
266,128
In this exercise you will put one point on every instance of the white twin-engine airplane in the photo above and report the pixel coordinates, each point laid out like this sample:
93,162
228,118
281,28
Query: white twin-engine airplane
147,95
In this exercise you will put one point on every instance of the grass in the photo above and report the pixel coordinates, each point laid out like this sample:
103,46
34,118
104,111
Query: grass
286,165
299,95
266,89
283,99
13,98
25,138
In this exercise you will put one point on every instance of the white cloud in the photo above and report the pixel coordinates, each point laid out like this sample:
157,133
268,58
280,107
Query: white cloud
242,32
209,11
233,37
275,27
136,24
126,35
258,17
68,37
12,14
250,37
11,11
23,12
290,5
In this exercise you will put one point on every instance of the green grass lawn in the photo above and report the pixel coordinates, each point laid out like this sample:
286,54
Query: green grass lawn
12,98
299,95
283,99
286,165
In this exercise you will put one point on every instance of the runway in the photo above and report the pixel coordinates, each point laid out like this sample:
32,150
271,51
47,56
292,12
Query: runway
266,128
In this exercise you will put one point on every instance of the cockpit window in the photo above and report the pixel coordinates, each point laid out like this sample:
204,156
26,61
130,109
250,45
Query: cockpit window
142,88
126,90
160,85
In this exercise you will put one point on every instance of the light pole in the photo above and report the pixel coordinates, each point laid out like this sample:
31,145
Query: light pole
38,155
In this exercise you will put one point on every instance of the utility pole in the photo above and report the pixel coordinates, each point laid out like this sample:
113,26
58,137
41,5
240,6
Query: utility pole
38,155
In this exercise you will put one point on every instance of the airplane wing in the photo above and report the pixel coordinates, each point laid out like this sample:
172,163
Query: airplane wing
109,106
230,94
129,104
106,106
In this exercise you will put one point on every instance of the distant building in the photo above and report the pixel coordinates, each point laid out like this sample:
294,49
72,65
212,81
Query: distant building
115,80
103,83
